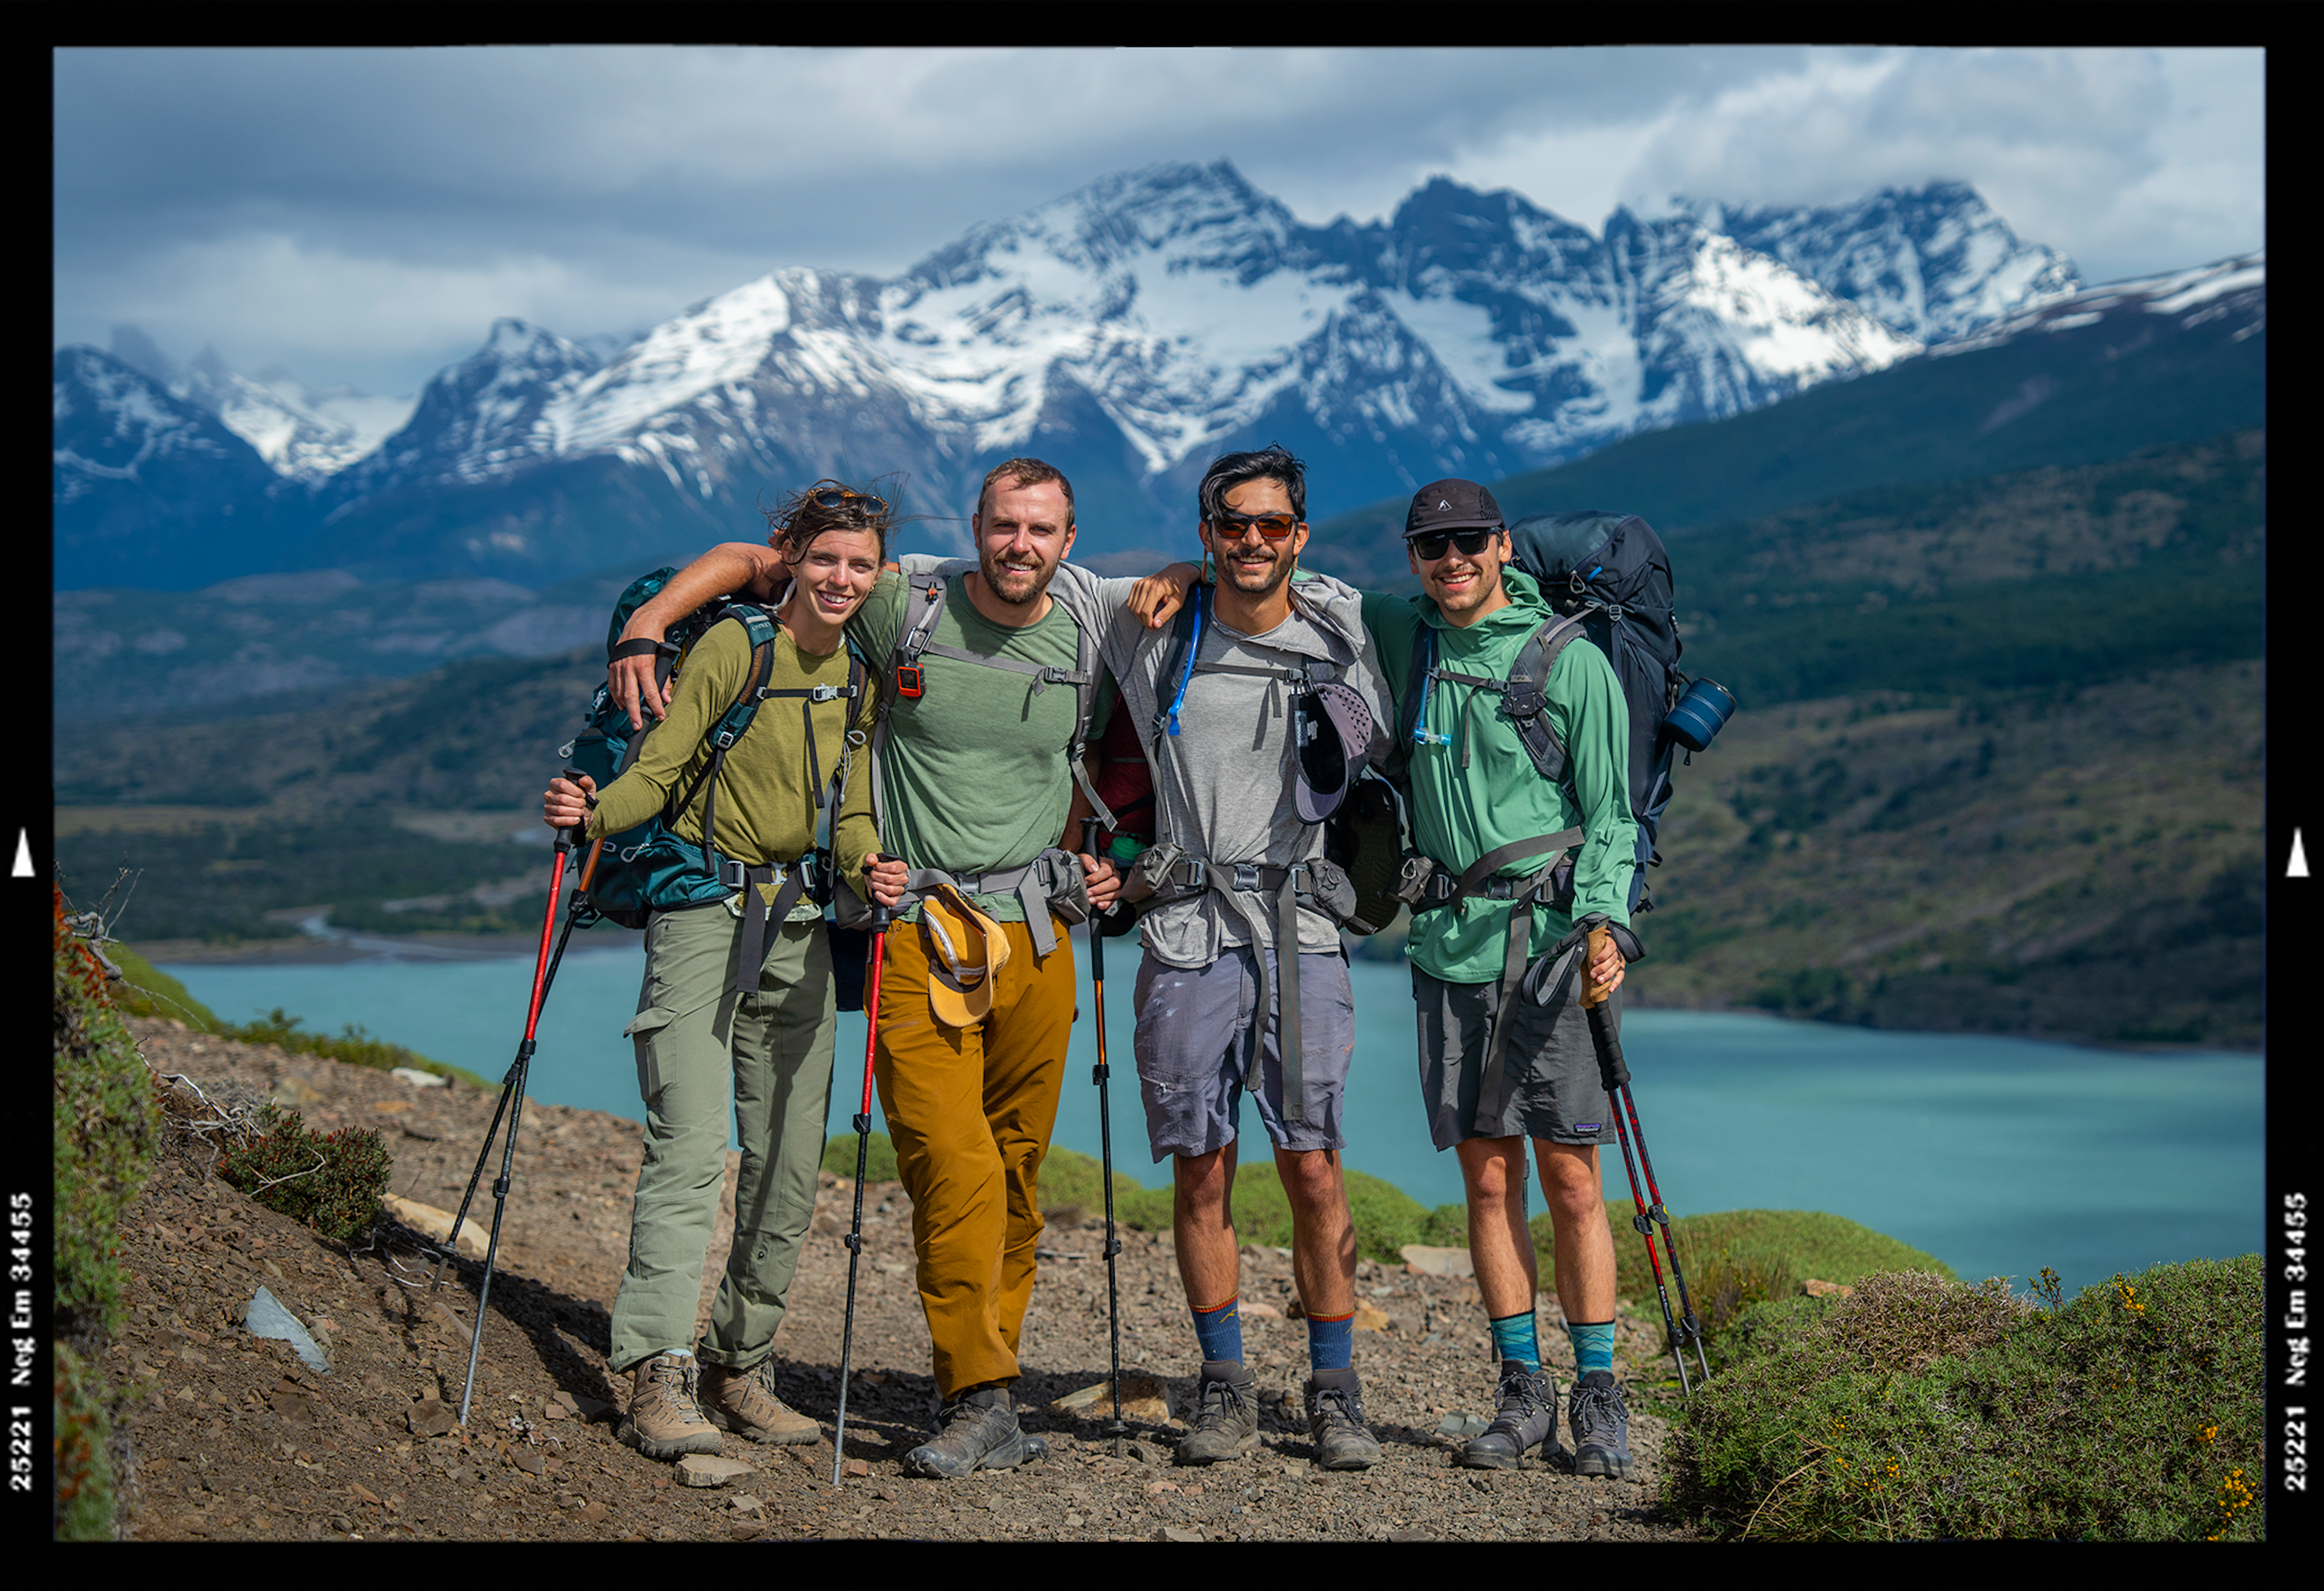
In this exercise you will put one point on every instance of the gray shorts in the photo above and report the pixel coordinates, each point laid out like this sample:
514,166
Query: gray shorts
1549,1088
1192,1042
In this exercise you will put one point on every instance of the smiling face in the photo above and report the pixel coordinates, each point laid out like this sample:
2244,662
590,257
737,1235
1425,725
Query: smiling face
1248,561
1022,534
1465,585
836,571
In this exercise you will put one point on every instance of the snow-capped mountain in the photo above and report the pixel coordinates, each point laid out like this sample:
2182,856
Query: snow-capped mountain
1131,331
304,435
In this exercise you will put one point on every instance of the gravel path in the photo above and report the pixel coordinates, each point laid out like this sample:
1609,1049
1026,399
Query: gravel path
231,1437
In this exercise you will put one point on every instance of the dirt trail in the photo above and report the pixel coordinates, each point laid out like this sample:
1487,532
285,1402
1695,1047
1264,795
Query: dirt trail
233,1439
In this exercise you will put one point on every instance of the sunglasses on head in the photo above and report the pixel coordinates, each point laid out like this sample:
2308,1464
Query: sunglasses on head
832,497
1434,545
1272,527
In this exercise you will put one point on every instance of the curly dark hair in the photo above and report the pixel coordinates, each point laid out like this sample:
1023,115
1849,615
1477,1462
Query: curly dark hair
793,524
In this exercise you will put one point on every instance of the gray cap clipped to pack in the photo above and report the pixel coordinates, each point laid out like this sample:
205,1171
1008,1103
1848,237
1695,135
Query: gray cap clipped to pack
1338,734
1450,505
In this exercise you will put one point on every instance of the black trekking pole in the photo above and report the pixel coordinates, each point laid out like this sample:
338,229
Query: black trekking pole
879,919
1098,1075
1616,1077
513,1080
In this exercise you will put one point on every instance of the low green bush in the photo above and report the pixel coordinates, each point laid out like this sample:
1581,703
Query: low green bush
1920,1408
879,1163
145,990
333,1183
352,1044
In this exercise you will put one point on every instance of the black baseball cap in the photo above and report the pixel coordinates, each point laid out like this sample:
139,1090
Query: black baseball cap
1450,505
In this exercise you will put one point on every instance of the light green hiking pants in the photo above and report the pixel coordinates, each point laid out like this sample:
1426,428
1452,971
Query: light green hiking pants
699,1047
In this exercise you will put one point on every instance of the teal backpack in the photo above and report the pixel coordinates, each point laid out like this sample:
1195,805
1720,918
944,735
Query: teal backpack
650,868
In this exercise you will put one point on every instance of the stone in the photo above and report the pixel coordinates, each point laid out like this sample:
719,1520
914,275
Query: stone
1422,1260
1815,1289
431,1417
430,1222
595,1513
1255,1310
1181,1533
707,1469
1370,1317
1143,1397
526,1459
855,1469
417,1078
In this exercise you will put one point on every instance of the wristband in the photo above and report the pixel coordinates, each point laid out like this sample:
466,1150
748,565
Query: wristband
638,647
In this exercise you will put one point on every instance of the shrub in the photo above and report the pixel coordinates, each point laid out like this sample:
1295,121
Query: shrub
352,1044
106,1127
84,1469
332,1183
1921,1409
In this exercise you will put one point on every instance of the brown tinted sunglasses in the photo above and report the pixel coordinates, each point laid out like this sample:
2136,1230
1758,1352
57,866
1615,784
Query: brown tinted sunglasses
1270,527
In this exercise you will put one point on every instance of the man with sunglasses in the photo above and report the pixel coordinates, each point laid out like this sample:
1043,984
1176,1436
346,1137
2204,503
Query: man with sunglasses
1500,1066
1261,663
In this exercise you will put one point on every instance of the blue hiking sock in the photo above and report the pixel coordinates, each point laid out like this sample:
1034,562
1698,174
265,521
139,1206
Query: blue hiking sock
1331,1342
1220,1331
1514,1340
1593,1345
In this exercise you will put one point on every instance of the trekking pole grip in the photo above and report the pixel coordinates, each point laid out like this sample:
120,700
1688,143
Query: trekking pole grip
1604,1038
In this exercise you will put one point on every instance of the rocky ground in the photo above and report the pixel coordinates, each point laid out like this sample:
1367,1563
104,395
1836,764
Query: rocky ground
230,1436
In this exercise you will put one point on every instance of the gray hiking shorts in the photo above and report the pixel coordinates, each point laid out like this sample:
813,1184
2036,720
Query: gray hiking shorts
1193,1033
1549,1086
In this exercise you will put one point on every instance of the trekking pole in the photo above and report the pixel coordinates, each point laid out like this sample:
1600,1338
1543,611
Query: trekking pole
863,1153
509,1083
1098,1075
513,1091
1690,1327
1616,1077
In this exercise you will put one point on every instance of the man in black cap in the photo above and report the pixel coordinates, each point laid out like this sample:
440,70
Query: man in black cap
1505,1050
1237,873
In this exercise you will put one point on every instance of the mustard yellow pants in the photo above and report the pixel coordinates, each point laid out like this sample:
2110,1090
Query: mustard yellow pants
970,1111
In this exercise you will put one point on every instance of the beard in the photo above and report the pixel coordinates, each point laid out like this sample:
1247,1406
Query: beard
1261,584
1018,587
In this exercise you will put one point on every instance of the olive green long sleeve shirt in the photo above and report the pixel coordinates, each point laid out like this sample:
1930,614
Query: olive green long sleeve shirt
767,790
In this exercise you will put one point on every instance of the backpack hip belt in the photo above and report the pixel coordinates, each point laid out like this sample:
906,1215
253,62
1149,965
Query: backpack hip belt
791,879
1051,882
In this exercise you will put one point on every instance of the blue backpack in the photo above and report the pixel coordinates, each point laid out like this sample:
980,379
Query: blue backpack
650,868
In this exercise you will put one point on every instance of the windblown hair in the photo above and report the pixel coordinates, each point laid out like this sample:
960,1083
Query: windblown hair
1271,463
1026,472
793,524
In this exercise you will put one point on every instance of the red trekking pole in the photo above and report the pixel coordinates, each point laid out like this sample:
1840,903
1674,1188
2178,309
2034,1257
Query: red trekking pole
862,1154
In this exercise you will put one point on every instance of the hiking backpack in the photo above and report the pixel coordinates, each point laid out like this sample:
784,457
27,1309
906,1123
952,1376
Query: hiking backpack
650,868
1606,577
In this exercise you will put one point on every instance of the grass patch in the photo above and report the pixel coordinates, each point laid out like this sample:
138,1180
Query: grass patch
352,1044
1920,1408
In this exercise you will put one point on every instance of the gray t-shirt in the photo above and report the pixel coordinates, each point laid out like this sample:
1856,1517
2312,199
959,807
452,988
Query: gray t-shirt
1223,784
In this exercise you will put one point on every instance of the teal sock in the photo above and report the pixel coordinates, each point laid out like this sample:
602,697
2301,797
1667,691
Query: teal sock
1593,1345
1332,1343
1514,1340
1220,1331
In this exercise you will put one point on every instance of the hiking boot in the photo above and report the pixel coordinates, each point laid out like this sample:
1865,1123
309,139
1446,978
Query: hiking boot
1525,1416
664,1420
1335,1420
1226,1423
976,1431
1600,1427
740,1402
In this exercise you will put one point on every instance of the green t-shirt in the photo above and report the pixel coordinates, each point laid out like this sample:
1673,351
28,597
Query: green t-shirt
766,810
973,776
1461,811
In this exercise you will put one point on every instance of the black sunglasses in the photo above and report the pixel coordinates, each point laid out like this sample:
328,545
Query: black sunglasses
1271,526
1433,545
832,497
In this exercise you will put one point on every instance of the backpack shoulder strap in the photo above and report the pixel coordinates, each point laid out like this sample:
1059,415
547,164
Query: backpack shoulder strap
1525,699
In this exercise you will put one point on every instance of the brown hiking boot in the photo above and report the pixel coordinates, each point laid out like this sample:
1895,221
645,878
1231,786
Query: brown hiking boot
738,1401
664,1420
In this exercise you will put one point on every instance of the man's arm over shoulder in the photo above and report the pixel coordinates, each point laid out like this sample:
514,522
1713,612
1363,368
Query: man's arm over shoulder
736,568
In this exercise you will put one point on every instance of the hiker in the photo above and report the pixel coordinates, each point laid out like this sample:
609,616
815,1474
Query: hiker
1232,864
700,1041
992,684
1490,1085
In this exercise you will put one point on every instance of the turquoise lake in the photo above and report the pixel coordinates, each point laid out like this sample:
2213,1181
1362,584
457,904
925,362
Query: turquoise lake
1999,1155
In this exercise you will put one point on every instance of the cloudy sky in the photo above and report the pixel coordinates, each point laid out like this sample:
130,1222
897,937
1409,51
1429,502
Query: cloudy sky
361,217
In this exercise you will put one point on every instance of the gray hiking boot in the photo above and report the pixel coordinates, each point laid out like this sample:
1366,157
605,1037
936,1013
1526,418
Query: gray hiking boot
1600,1427
1525,1416
664,1420
741,1402
1226,1422
1335,1420
976,1431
